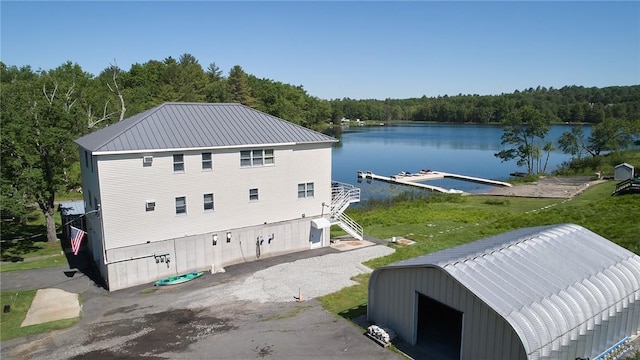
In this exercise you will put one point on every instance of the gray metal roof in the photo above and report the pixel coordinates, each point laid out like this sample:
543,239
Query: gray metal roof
75,207
197,125
550,283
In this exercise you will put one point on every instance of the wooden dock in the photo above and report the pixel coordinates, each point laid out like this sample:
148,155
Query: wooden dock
415,179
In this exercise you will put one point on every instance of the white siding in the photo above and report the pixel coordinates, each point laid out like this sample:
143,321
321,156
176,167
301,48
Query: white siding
126,185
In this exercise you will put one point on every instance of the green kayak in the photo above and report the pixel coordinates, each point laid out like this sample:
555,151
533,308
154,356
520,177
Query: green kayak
172,280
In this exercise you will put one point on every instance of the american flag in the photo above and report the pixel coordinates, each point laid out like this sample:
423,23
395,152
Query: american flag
76,239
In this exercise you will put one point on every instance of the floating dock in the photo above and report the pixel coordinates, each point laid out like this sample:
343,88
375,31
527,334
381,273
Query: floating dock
415,179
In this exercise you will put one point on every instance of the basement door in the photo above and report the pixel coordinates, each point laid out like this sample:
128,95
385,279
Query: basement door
438,328
315,238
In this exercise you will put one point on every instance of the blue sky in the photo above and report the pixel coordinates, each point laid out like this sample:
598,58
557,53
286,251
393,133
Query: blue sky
351,49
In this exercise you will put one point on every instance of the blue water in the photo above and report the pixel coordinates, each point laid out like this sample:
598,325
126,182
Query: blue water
411,147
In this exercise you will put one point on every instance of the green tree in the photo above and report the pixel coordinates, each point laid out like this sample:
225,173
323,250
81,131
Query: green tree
239,88
42,119
216,90
572,142
524,129
609,135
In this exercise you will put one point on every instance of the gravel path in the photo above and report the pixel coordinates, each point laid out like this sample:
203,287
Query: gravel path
313,277
548,187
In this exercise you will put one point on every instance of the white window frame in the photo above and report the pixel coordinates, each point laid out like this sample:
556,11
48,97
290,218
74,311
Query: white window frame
207,164
269,157
254,194
306,190
205,202
257,158
181,209
178,163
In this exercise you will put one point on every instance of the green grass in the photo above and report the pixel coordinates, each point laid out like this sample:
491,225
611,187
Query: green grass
10,322
444,221
588,165
47,262
26,245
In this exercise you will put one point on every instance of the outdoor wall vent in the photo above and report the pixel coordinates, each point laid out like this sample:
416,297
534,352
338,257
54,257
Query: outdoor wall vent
147,160
151,205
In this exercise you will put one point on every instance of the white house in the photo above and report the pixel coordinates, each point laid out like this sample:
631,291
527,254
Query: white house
197,186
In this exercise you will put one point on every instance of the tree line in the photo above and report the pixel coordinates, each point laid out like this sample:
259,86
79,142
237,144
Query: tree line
43,111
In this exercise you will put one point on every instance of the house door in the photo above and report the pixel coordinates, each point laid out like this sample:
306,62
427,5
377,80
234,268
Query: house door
315,237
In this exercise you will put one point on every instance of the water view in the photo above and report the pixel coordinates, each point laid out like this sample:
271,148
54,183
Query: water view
411,147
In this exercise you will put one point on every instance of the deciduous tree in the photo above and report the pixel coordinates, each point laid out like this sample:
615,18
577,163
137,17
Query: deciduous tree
38,131
525,128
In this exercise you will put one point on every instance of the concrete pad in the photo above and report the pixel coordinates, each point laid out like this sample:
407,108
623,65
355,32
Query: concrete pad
51,305
344,245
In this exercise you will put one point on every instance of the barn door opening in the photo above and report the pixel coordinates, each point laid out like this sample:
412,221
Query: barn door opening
439,329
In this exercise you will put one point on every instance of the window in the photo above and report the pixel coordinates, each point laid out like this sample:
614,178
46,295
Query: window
260,157
150,206
86,158
178,163
181,205
268,157
305,190
256,158
253,194
245,158
207,162
208,202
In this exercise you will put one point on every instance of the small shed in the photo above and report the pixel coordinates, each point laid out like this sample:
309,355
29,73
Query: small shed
623,171
71,214
552,292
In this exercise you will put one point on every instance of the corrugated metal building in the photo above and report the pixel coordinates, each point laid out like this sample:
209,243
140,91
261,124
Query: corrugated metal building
554,292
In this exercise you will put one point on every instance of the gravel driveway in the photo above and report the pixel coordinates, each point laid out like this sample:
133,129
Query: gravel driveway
246,313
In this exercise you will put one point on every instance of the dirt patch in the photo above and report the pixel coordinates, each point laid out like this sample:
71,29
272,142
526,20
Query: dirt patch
404,241
548,187
154,334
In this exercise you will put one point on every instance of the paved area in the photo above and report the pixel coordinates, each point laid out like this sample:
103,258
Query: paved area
51,305
201,319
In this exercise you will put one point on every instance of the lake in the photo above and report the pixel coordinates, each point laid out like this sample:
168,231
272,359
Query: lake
460,149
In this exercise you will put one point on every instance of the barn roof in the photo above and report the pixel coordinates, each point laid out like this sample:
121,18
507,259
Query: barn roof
173,126
550,283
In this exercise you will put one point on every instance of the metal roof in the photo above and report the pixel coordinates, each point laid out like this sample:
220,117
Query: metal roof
75,207
550,283
197,125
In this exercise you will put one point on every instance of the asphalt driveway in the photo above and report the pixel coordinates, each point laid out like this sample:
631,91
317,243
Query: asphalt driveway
169,323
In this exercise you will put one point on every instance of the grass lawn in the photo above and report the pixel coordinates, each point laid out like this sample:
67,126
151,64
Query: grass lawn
25,246
445,221
19,302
